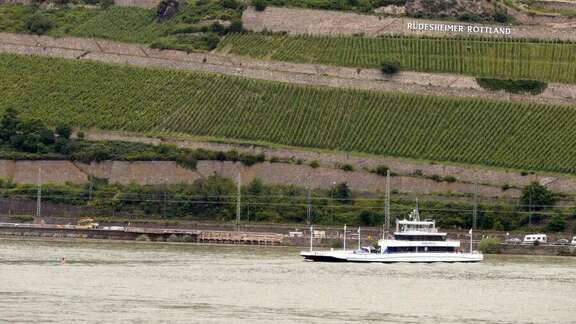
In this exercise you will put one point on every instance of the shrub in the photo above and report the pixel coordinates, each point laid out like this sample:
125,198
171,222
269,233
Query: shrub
315,164
436,178
63,131
381,170
390,66
536,196
259,5
557,223
38,24
143,238
236,26
173,238
274,159
513,86
506,187
347,168
489,246
450,179
501,15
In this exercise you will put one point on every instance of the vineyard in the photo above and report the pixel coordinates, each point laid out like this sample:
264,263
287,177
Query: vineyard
512,59
88,94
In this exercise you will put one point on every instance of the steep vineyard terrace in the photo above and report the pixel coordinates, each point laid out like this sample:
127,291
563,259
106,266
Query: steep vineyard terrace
87,94
512,58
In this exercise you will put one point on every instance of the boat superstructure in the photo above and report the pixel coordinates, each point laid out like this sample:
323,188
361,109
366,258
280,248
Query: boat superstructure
414,240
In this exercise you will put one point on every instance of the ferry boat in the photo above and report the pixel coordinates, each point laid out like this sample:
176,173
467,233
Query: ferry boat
413,241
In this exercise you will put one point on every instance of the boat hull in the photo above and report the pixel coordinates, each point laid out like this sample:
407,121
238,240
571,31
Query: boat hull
349,256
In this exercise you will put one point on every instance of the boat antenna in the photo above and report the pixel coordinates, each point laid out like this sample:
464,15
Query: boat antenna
311,236
417,211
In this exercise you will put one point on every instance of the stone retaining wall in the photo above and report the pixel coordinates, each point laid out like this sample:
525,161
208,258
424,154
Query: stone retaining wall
167,172
464,173
325,22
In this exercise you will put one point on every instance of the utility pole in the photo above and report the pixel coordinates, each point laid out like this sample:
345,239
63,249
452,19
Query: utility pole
90,186
238,202
475,208
387,207
309,207
39,194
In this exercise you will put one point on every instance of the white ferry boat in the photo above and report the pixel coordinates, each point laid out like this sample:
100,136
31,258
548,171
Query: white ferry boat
413,241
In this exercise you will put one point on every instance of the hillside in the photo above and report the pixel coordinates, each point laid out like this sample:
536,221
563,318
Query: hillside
513,59
524,136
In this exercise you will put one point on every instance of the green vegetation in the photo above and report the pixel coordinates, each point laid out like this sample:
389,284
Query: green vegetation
88,94
536,197
513,86
557,223
33,140
489,246
196,27
214,199
492,58
364,6
390,66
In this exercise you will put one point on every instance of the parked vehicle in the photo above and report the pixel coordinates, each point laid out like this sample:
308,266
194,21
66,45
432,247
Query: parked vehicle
513,241
531,238
574,240
562,242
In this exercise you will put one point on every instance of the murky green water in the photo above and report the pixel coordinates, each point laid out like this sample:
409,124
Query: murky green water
144,283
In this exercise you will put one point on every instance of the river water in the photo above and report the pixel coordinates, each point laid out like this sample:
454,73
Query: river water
175,283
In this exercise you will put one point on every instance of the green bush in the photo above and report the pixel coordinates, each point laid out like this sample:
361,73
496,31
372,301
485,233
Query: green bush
450,179
347,168
557,223
381,170
259,5
513,86
315,164
489,246
390,66
143,238
38,24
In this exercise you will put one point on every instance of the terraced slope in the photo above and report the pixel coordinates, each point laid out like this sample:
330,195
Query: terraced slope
513,59
87,94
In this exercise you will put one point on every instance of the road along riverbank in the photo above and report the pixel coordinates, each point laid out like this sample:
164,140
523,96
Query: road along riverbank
326,238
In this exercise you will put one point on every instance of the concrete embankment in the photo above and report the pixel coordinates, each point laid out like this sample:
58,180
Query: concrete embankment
140,234
307,74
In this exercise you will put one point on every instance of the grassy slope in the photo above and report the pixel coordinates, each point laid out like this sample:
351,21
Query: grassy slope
488,58
90,94
124,24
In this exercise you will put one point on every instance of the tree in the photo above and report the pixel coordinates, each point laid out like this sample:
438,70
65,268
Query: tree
9,124
557,223
38,24
343,193
63,131
370,218
259,5
536,197
390,66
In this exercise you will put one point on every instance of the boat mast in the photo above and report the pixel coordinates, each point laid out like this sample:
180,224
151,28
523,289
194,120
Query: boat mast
311,236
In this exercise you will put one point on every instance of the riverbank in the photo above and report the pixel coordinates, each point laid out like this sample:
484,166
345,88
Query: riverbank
324,239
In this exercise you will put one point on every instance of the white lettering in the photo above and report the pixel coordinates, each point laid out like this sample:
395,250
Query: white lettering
458,28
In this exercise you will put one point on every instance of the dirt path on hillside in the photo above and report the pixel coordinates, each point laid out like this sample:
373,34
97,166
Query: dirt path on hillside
309,74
